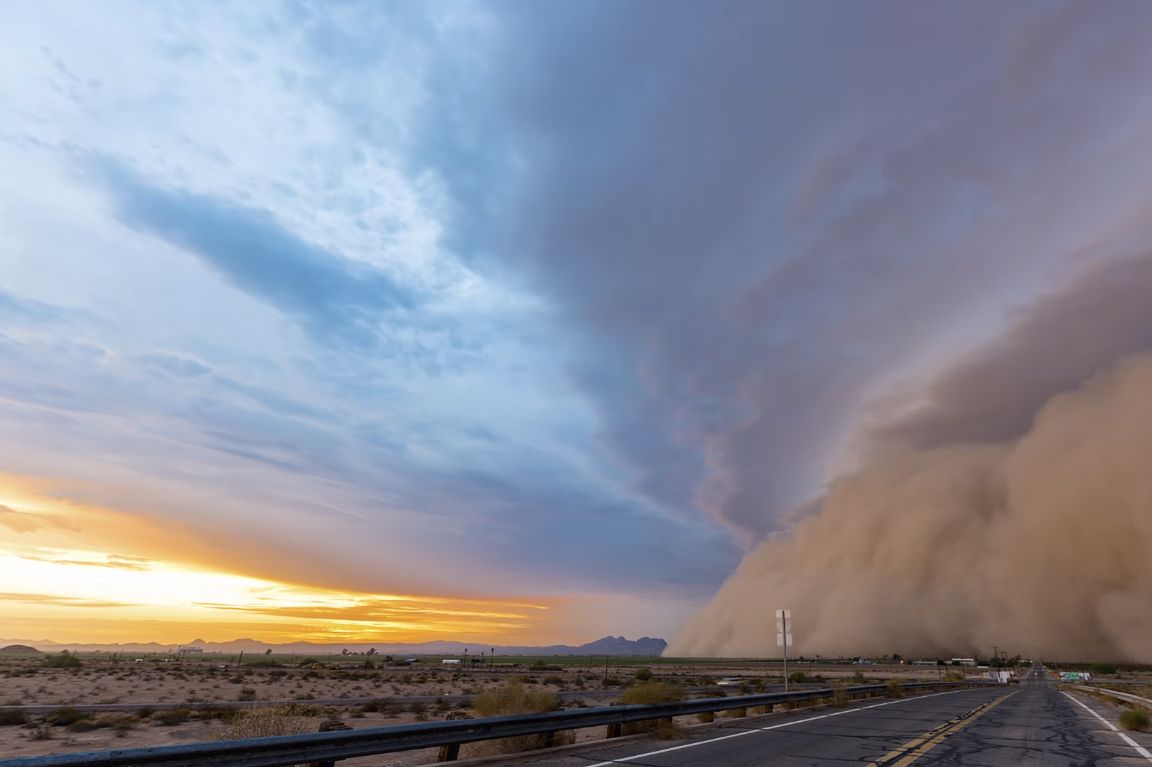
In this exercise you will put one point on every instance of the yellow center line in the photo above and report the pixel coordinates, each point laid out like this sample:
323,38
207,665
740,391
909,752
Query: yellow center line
918,746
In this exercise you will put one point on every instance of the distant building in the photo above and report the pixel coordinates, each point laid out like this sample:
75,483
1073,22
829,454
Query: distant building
963,661
190,651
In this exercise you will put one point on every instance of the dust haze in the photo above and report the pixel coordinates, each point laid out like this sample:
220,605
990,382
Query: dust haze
1012,508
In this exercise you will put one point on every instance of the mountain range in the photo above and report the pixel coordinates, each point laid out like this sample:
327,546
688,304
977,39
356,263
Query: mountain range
609,645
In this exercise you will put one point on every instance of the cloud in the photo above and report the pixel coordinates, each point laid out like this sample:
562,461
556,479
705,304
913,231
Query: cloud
992,394
181,367
332,296
62,601
1038,545
27,522
751,224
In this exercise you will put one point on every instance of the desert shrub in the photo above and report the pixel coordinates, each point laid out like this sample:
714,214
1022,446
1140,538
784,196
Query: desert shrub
116,721
555,681
246,693
1103,668
799,677
644,675
514,698
171,717
1134,719
216,711
12,717
144,712
266,723
62,659
647,694
652,692
65,716
82,725
839,696
895,688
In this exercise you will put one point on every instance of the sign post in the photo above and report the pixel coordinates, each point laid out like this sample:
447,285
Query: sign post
784,638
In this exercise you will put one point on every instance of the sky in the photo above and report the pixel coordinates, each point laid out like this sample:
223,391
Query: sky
515,322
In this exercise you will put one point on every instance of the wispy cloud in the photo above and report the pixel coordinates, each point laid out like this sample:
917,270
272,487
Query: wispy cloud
334,298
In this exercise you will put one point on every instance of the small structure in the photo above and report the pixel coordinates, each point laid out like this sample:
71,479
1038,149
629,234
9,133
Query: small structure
450,662
190,651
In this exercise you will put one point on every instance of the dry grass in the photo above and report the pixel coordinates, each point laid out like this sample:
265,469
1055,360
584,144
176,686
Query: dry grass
511,699
1134,719
266,723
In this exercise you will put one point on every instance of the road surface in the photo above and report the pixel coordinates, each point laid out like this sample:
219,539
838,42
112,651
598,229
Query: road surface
1030,724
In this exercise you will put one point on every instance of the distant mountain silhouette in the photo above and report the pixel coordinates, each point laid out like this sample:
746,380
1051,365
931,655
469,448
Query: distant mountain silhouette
609,645
19,649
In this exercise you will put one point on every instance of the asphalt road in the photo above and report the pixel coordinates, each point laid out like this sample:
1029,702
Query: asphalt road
1029,724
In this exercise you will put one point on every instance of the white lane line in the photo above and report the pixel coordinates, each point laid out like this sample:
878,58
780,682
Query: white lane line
742,733
1139,749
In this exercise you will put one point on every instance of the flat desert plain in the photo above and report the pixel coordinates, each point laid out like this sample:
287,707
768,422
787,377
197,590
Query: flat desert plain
159,701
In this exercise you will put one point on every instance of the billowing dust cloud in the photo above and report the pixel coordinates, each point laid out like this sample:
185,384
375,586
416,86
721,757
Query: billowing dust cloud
1040,543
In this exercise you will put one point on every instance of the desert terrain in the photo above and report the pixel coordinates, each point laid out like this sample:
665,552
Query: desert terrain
165,700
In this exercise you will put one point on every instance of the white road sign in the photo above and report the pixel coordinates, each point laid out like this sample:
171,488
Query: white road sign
782,638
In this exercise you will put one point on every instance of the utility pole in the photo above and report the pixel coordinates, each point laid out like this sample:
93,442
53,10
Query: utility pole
783,639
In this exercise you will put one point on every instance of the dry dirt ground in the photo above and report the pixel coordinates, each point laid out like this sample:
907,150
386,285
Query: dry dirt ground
24,681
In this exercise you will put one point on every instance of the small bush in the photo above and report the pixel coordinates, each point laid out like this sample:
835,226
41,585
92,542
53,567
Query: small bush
839,696
515,698
246,693
171,718
12,717
652,692
895,688
798,677
1134,719
116,721
266,723
65,716
63,659
644,675
648,694
216,711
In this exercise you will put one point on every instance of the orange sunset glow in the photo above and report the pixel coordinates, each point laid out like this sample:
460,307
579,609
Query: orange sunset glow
58,585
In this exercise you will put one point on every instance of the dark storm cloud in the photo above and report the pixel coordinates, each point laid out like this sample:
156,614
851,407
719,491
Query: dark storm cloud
1087,325
753,212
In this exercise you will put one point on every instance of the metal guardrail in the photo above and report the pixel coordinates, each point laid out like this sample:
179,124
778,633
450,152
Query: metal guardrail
1122,696
326,747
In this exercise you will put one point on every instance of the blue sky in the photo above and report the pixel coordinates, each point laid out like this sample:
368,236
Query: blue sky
569,301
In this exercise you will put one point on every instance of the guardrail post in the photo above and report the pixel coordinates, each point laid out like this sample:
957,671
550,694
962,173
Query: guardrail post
331,725
449,753
615,730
